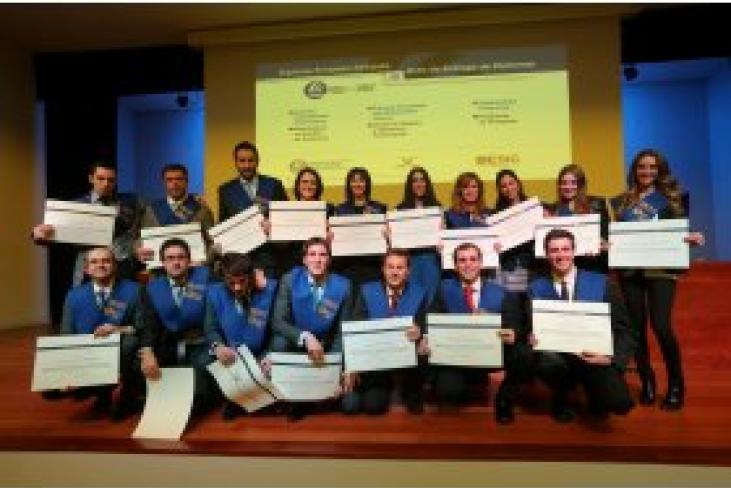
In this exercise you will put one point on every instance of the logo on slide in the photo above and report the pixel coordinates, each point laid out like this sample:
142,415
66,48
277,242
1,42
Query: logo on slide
315,89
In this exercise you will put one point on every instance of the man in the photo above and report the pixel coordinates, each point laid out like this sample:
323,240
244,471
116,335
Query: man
601,376
469,292
310,305
394,296
170,320
107,305
103,181
178,206
237,313
247,189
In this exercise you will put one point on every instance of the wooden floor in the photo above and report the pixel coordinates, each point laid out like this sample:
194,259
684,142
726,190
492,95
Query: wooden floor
699,434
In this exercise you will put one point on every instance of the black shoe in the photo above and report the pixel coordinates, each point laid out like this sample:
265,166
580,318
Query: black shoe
504,413
81,394
102,403
560,412
298,411
414,403
53,395
231,411
647,392
675,397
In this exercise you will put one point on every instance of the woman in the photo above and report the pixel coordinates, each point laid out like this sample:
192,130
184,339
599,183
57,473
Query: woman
573,200
516,264
468,203
359,269
653,194
426,267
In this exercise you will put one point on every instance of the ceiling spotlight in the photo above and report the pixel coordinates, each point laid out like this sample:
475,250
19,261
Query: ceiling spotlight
630,72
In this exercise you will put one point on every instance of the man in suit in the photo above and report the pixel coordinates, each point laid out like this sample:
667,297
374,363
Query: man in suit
170,320
178,206
310,305
247,189
102,306
602,376
103,181
469,292
393,296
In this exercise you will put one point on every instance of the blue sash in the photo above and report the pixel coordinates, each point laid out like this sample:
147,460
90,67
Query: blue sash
589,287
376,300
306,318
192,304
648,208
87,315
165,215
491,297
249,329
464,220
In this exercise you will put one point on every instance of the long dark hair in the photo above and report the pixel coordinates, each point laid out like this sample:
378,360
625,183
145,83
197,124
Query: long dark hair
502,203
358,170
665,183
318,182
409,200
581,203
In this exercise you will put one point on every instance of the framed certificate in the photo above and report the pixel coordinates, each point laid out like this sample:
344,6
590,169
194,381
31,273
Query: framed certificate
563,326
241,233
379,344
358,235
298,378
649,244
465,340
416,228
297,221
88,224
517,224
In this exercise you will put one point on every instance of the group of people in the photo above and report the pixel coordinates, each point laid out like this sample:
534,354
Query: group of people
292,298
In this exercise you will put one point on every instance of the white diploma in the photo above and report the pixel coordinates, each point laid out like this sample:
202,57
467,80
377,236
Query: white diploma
379,344
563,326
483,237
297,378
168,405
416,228
89,224
75,360
153,238
358,235
241,233
297,221
649,244
243,382
517,224
465,340
585,229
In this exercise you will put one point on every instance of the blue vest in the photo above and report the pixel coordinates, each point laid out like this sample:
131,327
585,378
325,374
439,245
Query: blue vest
250,329
589,287
306,317
648,208
464,220
237,197
376,300
165,215
192,304
491,297
87,315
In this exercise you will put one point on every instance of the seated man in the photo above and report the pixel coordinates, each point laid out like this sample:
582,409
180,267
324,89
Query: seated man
170,320
469,292
602,376
311,303
102,306
394,296
237,313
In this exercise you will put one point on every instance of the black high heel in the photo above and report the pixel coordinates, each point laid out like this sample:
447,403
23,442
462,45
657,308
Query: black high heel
675,398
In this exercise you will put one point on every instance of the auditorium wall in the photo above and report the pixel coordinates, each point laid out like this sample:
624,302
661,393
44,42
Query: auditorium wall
719,112
22,298
591,36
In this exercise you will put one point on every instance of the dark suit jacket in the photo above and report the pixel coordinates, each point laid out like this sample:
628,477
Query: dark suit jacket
232,198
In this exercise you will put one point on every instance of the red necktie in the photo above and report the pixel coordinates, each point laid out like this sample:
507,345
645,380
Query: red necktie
469,297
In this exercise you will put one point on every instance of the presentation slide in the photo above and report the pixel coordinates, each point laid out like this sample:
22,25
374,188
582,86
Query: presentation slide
475,111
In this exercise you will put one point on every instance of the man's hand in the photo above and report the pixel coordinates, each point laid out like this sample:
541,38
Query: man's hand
595,359
314,348
349,381
386,232
695,239
106,329
507,336
260,279
43,232
422,347
225,354
413,333
532,340
149,366
266,226
266,367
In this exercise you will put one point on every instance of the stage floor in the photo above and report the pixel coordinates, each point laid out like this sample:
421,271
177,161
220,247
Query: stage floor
698,434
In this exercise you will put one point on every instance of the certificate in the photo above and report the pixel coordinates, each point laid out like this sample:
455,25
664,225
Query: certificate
297,378
358,235
649,244
297,221
75,360
373,345
563,326
465,340
416,228
243,382
585,229
89,224
483,237
517,224
241,233
168,405
153,237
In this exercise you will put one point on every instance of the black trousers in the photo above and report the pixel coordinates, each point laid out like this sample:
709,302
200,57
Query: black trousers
605,386
373,394
653,297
